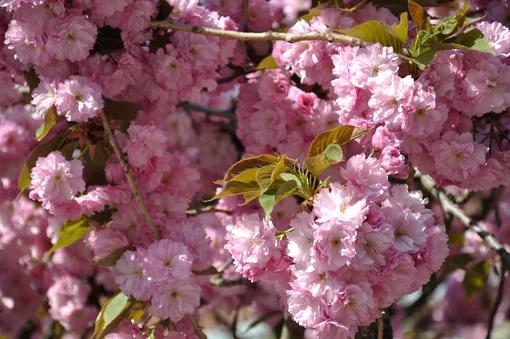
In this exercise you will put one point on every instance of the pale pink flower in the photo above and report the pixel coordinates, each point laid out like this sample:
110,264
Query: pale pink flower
306,310
274,85
145,142
333,329
56,180
457,157
300,246
334,244
191,233
371,247
27,43
388,99
339,203
252,242
172,71
79,99
130,275
487,88
44,97
424,116
105,241
107,8
354,305
66,295
366,177
498,36
167,261
393,162
71,38
371,62
176,299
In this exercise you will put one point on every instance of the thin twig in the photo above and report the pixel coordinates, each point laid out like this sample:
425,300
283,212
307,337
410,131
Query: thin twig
450,207
380,328
208,209
125,167
219,281
246,15
228,113
196,326
265,36
497,303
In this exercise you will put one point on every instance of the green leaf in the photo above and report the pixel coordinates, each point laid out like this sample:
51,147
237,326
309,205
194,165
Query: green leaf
333,154
267,63
237,187
378,31
262,318
456,238
340,136
476,277
72,231
267,201
417,13
120,110
426,58
135,312
286,189
111,313
112,258
278,169
291,177
42,150
50,119
267,175
472,39
264,175
244,164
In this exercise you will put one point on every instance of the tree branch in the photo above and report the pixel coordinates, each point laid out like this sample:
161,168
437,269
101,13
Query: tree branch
125,167
380,328
497,303
208,209
196,326
208,110
450,207
266,36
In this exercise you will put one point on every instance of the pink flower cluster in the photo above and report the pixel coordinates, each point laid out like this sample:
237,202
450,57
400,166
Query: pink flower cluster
451,122
363,245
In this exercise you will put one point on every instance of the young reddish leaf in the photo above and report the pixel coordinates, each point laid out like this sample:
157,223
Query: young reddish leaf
333,154
340,135
278,169
244,164
417,13
286,189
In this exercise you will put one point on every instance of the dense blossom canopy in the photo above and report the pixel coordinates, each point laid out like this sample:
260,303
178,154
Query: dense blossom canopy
119,118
